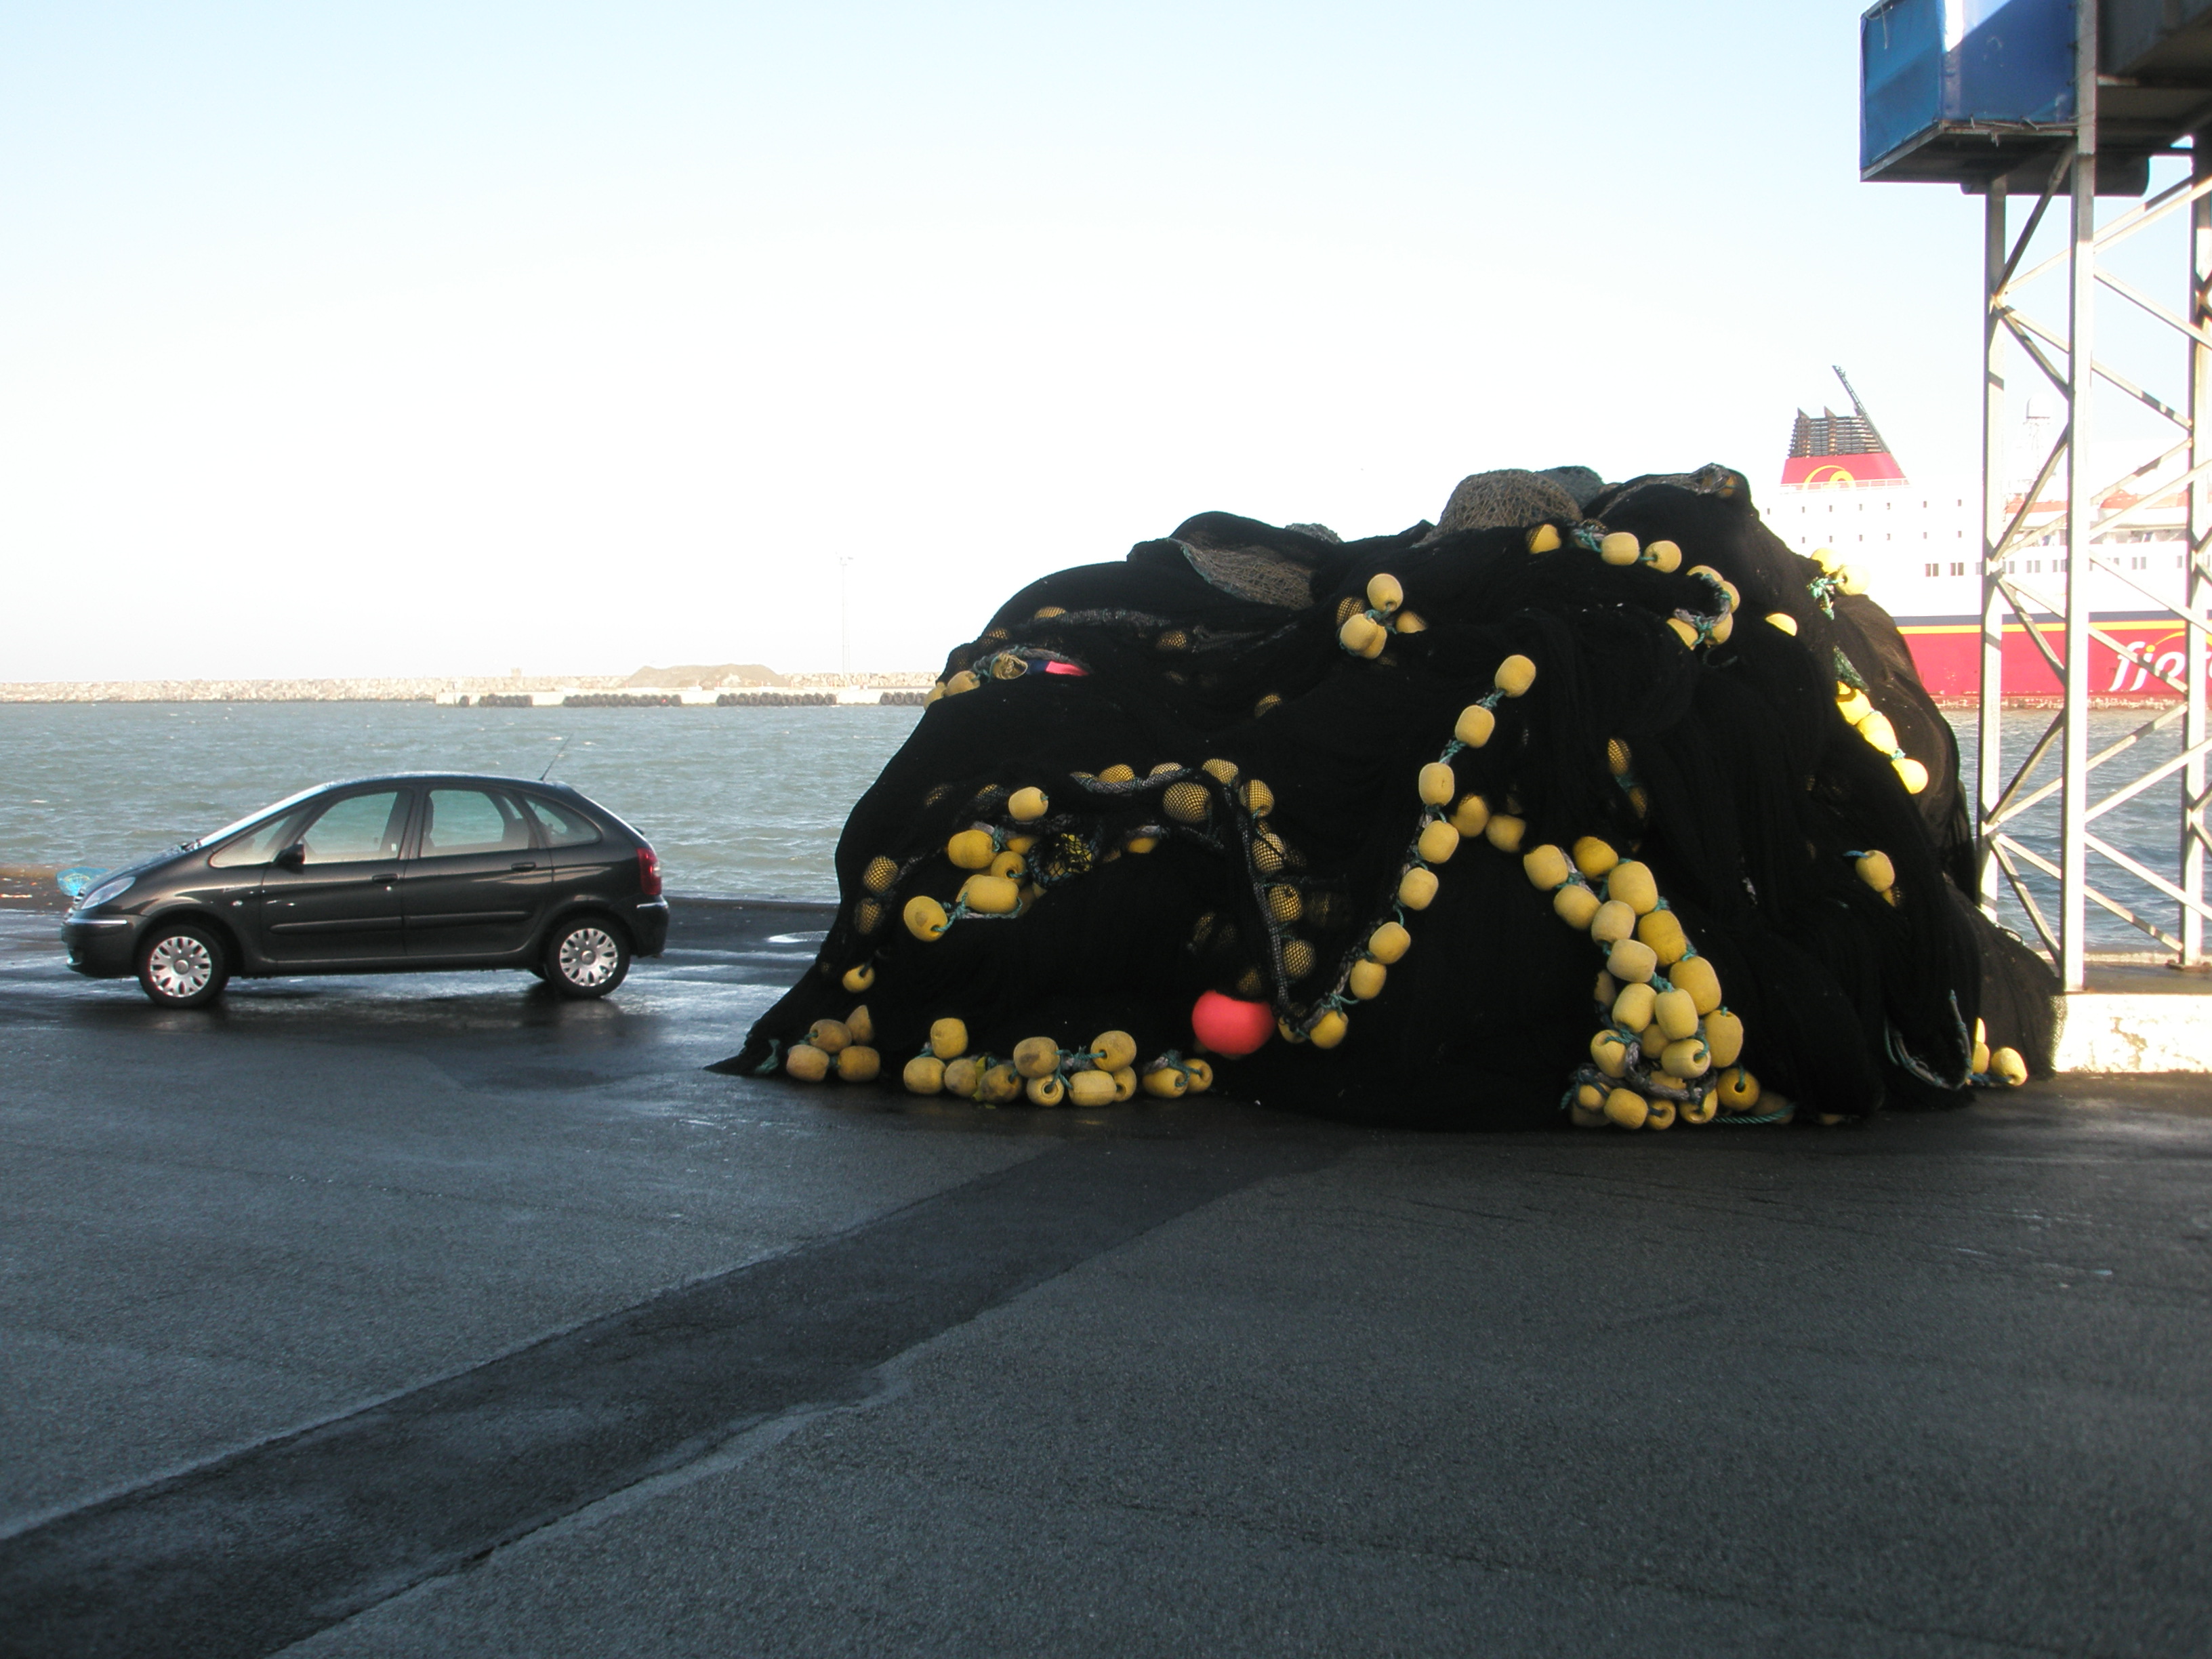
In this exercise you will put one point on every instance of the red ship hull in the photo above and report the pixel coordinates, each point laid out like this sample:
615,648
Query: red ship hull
1947,651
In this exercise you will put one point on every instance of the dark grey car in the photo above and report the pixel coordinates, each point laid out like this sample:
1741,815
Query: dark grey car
390,874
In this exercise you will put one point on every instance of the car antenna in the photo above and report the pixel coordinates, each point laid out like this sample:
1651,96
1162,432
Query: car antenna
555,761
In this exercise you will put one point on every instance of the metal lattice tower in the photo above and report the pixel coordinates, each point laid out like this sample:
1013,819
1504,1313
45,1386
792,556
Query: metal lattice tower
2012,102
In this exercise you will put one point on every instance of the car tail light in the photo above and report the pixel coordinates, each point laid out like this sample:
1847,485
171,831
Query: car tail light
648,872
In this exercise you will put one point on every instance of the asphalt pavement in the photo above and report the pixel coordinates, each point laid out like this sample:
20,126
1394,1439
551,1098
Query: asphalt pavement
432,1316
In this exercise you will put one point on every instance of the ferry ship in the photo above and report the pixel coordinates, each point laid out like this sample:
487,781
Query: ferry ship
1841,487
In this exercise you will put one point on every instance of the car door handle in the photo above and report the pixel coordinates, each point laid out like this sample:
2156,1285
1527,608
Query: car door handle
390,876
525,865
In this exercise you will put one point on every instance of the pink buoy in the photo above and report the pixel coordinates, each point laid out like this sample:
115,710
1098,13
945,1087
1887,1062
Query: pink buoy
1229,1026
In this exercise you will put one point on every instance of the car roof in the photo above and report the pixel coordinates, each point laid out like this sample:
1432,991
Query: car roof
455,777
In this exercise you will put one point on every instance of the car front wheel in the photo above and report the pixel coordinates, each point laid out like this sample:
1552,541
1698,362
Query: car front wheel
587,957
182,966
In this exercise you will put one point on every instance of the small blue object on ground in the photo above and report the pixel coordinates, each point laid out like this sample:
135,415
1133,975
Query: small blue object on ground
77,879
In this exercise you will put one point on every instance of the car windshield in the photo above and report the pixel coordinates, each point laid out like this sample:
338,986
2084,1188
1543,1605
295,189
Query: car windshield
251,818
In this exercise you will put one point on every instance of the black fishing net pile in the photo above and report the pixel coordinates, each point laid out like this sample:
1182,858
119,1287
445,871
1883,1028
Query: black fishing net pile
1231,806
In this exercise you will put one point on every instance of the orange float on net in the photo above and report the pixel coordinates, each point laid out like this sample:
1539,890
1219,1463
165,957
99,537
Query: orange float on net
1230,1026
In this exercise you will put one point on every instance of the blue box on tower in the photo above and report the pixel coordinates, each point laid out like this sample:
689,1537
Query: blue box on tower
1954,89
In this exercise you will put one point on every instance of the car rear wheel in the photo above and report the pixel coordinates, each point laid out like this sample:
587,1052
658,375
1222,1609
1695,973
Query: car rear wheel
587,957
182,966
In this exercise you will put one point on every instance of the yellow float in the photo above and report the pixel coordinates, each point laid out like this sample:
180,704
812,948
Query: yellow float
1738,1089
1632,1008
1092,1089
971,849
1515,675
1612,922
1417,887
1185,802
1724,1036
1695,975
1388,943
991,895
1662,932
1546,867
1036,1056
1676,1014
1594,858
1575,904
1631,962
1166,1082
1631,882
1437,842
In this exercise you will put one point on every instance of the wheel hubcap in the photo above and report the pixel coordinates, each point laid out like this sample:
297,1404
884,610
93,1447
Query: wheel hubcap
589,957
179,967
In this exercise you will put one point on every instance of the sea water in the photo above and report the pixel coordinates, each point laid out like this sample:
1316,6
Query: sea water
745,802
739,802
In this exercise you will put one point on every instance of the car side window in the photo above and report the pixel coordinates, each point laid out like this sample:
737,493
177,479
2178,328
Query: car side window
564,826
358,829
472,821
263,842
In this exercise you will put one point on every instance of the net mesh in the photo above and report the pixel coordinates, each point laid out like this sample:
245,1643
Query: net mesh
1223,763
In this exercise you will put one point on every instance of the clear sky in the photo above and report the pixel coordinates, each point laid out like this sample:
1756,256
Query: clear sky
355,339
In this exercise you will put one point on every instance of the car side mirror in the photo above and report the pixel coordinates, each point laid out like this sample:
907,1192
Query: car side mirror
294,856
